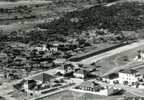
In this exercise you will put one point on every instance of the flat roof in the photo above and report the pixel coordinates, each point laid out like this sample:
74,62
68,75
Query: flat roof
128,71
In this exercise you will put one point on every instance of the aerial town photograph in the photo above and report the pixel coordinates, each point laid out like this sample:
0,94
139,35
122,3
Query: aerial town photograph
71,49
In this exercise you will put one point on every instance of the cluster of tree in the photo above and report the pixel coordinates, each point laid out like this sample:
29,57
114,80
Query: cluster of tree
119,17
63,2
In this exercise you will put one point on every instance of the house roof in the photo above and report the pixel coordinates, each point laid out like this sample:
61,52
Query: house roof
79,72
90,84
43,77
128,71
111,76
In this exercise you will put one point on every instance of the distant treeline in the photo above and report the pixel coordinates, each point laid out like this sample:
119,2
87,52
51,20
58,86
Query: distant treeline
120,17
128,16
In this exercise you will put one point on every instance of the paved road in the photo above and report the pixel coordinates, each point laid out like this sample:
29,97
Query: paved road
112,52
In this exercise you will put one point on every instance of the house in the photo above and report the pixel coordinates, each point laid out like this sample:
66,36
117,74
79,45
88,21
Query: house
53,47
41,48
129,77
96,88
59,61
29,85
68,69
111,78
43,78
38,82
79,74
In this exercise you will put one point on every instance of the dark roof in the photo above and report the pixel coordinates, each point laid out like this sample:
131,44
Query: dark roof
31,84
90,84
31,81
111,76
43,77
128,71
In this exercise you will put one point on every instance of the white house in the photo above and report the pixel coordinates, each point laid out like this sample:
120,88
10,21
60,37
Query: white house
96,88
79,74
128,76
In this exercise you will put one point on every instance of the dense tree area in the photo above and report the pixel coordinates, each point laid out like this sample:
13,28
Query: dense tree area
120,17
115,19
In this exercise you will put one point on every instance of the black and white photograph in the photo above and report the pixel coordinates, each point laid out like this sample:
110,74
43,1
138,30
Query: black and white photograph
71,49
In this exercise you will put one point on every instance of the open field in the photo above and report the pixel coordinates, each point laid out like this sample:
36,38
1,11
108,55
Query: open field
22,15
116,59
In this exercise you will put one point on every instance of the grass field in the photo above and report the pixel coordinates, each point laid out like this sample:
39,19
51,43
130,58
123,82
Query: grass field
119,60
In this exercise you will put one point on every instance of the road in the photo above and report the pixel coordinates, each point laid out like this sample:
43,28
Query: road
112,52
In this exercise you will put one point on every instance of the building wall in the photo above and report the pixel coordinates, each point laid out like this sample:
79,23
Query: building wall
110,81
127,77
106,91
54,49
78,75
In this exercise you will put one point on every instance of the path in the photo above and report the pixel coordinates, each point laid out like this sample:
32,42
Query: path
112,52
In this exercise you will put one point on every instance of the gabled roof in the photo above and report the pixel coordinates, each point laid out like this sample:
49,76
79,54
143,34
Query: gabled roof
79,72
128,71
43,77
90,84
111,76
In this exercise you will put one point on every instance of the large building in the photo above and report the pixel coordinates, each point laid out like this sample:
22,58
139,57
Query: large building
95,88
129,77
38,82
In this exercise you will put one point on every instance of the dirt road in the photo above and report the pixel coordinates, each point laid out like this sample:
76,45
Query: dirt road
112,52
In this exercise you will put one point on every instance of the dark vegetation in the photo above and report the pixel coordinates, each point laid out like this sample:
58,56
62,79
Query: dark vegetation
128,16
120,17
116,18
75,21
